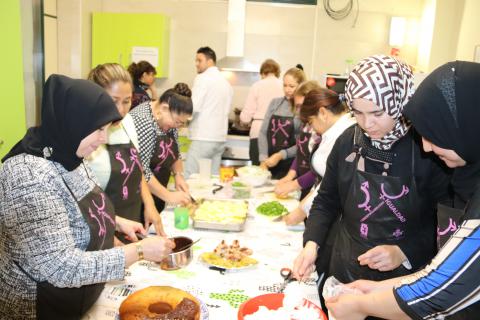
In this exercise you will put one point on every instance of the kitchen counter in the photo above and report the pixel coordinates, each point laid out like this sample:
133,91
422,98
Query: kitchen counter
273,245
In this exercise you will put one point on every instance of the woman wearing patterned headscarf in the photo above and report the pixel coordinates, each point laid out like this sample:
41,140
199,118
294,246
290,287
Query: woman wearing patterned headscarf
445,111
379,181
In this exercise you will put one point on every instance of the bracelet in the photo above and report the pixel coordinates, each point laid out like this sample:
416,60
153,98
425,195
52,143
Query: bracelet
139,251
177,172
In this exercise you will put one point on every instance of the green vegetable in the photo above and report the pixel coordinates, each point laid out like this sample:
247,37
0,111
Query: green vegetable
271,209
238,184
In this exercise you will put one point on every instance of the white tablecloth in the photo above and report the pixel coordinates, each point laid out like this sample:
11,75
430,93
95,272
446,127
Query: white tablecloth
273,246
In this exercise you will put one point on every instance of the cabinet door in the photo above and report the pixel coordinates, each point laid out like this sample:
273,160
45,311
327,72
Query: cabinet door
115,34
12,107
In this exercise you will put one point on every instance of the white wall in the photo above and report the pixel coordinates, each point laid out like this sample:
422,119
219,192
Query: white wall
290,34
469,35
448,17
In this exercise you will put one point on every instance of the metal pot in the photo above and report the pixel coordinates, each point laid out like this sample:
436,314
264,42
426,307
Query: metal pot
178,259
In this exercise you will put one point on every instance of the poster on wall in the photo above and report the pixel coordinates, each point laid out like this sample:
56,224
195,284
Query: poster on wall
149,54
476,54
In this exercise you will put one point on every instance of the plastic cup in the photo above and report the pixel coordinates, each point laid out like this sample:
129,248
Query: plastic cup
205,168
181,217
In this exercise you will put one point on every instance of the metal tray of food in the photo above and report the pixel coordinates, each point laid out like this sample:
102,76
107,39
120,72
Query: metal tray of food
220,214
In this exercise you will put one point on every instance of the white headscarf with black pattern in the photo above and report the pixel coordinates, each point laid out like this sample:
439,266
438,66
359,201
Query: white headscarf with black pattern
388,83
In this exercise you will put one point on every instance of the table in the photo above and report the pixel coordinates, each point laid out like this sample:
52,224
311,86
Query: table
273,245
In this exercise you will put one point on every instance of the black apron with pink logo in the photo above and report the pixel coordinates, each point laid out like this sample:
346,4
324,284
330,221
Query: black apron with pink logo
379,210
303,157
280,136
164,156
71,303
448,221
124,185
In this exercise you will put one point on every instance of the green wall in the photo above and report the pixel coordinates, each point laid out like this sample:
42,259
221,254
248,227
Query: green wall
12,105
114,35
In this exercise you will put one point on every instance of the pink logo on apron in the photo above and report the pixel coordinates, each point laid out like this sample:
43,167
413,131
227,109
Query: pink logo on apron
165,150
101,217
277,127
126,171
386,199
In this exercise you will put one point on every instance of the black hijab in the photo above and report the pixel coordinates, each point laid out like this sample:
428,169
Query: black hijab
72,109
445,110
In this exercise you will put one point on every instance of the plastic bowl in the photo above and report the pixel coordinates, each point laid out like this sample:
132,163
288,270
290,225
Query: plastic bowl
256,179
241,190
272,301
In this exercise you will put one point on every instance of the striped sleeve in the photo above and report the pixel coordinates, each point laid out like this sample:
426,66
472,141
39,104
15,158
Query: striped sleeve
450,283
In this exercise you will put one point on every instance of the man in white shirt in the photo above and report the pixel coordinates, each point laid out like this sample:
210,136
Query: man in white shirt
212,98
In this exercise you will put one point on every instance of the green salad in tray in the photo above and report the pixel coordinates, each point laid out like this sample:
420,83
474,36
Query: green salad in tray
272,209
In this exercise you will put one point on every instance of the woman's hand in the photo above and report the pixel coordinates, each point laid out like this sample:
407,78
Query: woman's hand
283,189
156,248
152,216
263,165
365,286
294,217
304,264
117,243
180,183
129,228
383,258
345,306
273,160
178,197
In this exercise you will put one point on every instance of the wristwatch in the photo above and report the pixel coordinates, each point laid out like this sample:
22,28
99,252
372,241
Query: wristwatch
139,251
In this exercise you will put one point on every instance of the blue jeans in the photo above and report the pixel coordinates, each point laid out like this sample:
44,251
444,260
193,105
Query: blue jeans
203,149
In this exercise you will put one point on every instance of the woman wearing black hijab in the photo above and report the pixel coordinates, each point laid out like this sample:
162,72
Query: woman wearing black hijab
445,110
56,225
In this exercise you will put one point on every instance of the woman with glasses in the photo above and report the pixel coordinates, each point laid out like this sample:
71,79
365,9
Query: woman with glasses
156,124
116,164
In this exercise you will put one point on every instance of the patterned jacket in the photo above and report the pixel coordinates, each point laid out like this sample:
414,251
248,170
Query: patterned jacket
42,229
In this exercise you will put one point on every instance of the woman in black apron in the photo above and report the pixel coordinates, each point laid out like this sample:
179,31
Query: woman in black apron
378,182
116,164
57,225
300,176
277,137
143,76
156,125
445,110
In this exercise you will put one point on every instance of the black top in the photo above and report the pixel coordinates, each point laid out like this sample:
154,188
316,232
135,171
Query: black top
430,177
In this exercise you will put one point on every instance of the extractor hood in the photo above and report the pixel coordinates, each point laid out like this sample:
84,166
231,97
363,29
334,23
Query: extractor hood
234,60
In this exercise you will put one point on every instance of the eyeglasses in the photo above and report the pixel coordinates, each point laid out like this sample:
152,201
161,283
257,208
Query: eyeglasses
177,122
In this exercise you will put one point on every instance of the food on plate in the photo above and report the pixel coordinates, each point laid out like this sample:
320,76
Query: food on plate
272,209
229,256
240,190
160,303
222,211
253,175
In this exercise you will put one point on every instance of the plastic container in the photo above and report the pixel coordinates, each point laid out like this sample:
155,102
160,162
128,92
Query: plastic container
182,217
226,173
241,190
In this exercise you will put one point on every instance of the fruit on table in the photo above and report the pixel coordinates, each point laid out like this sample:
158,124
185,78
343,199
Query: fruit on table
272,209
